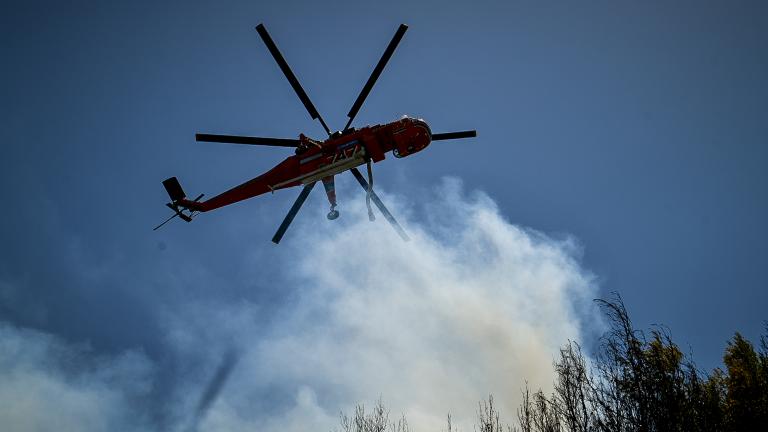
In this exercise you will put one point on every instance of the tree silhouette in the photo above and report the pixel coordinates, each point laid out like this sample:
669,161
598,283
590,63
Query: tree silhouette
633,382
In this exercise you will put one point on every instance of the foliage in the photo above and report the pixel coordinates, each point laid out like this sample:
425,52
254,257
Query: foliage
635,382
646,383
376,421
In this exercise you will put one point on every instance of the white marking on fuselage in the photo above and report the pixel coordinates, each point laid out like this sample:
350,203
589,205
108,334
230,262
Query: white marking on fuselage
337,165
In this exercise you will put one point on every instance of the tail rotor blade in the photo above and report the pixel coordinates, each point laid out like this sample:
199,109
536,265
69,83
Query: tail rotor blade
454,135
382,208
165,222
292,212
375,74
289,74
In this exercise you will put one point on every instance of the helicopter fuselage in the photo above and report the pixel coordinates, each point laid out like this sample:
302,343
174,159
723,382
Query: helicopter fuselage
316,160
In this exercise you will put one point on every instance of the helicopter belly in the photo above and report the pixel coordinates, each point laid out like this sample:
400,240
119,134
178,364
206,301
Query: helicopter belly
318,166
332,169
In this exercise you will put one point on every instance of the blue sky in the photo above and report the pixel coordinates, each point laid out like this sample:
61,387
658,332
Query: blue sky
634,132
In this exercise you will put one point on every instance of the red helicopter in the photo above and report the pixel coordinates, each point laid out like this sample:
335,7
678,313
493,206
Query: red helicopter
315,160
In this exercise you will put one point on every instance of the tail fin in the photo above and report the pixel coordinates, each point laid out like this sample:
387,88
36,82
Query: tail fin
179,197
174,189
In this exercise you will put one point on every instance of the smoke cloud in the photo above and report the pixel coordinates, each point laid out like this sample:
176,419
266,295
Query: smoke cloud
49,385
472,305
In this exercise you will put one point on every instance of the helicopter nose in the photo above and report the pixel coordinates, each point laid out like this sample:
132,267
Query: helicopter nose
422,136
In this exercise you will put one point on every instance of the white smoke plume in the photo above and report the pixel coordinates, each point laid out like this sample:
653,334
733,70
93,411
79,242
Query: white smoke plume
472,305
46,384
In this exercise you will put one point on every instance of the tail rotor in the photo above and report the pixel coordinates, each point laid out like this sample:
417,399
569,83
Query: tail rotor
176,193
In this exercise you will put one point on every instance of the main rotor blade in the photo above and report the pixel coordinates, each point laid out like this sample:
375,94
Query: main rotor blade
454,135
235,139
213,389
292,212
376,72
380,205
289,74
